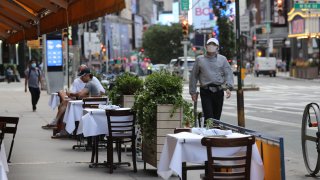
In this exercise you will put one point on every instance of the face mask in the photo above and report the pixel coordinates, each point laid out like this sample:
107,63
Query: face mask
33,65
212,48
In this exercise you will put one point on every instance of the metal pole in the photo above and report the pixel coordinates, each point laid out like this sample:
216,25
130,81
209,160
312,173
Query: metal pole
67,39
240,103
268,27
1,52
254,12
185,64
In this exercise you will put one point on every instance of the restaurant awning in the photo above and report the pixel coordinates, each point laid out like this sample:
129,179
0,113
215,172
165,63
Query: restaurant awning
28,19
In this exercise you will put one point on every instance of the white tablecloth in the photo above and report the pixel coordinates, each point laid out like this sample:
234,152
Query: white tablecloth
94,122
54,100
3,163
73,113
186,147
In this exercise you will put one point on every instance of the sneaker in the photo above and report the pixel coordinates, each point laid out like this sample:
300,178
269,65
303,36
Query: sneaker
49,126
60,135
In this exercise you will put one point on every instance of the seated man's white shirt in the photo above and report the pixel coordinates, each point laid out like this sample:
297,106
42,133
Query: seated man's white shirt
78,85
98,84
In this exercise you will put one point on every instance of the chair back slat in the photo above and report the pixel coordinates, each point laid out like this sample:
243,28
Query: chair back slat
93,102
121,121
11,126
219,167
179,130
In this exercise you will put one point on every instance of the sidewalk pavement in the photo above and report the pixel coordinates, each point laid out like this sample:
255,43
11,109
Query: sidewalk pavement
36,156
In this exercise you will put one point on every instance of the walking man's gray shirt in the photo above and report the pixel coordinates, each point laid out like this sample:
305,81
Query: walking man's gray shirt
210,70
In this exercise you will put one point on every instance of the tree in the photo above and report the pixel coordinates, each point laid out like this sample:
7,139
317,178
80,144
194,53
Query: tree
226,37
226,34
163,43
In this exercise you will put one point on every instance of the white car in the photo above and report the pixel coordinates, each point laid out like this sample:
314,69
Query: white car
178,66
158,67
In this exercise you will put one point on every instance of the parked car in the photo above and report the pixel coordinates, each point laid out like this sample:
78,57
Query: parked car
178,66
158,67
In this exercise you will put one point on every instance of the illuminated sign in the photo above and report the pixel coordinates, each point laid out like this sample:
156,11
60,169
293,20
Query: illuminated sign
54,53
297,25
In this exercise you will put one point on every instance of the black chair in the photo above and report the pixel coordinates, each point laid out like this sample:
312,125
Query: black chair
226,164
11,125
121,129
89,102
2,129
93,102
186,167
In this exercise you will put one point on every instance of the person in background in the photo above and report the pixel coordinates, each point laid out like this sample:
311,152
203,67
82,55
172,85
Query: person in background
213,72
33,80
9,73
77,85
90,90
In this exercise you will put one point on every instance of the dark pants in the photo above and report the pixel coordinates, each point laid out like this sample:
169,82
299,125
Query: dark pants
35,95
211,103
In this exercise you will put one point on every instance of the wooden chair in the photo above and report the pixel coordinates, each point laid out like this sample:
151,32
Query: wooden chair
93,102
2,129
121,129
241,163
11,125
186,167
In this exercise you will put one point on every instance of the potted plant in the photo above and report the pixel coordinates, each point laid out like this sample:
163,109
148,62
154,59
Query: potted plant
160,109
305,69
126,85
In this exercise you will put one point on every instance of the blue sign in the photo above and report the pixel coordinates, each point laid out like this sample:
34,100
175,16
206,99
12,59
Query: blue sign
54,53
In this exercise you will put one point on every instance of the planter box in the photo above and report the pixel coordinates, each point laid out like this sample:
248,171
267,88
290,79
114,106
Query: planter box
127,101
304,72
165,125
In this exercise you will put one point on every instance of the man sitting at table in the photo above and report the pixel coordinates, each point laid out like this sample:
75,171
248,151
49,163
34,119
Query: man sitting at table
77,85
90,89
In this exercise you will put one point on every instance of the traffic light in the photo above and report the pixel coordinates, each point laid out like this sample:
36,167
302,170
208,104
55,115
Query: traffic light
64,33
214,34
185,29
103,48
259,53
279,5
264,30
254,38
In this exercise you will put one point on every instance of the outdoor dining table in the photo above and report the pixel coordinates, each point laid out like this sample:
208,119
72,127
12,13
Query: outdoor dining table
3,163
54,100
93,124
72,114
186,147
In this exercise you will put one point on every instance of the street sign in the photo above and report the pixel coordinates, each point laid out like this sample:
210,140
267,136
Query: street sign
184,5
307,5
244,23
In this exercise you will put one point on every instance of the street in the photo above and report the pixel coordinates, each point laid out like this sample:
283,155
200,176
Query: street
276,109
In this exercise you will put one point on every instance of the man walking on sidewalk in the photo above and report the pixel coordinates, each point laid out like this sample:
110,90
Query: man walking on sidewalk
215,75
32,80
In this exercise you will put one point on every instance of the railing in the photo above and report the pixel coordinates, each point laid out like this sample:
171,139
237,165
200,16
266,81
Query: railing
271,150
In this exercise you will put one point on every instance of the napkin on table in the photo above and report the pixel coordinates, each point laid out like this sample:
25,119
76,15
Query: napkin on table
210,132
108,107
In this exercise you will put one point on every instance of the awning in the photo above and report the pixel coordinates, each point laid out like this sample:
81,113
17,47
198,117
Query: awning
28,19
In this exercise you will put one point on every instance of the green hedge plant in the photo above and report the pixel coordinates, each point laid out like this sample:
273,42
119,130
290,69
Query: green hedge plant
160,88
125,84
